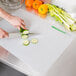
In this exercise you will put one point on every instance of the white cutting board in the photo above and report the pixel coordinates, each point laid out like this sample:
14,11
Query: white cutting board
50,47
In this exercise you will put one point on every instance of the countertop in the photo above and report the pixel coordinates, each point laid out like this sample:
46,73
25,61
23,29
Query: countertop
64,62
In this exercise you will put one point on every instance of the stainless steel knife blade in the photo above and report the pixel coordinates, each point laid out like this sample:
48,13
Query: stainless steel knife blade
14,35
17,35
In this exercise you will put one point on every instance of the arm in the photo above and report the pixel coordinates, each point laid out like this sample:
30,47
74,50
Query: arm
13,20
3,33
4,14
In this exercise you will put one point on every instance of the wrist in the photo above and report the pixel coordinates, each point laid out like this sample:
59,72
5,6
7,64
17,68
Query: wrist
7,17
4,14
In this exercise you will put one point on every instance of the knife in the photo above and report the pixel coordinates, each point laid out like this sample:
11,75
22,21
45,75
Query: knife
18,35
14,35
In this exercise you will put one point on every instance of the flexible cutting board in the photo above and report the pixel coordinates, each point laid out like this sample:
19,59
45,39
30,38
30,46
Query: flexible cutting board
51,43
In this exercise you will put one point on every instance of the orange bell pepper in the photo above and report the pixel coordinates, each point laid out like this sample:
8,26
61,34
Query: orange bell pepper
36,4
29,3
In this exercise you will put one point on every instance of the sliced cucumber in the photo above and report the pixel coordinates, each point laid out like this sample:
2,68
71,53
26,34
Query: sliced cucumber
24,36
26,42
34,41
25,32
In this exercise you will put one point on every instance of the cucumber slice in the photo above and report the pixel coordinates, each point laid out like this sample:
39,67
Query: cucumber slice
34,41
26,42
24,36
25,32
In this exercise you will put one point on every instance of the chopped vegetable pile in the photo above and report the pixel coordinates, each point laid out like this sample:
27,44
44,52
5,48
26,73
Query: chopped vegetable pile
25,36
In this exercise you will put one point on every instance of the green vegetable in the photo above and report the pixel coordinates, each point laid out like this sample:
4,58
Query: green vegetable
34,41
23,36
62,16
25,32
73,28
26,42
21,30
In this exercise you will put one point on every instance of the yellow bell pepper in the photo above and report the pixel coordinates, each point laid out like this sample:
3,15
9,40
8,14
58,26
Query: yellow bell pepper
43,9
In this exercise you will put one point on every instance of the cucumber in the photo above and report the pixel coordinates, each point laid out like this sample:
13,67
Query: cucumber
26,32
24,36
21,30
34,41
26,42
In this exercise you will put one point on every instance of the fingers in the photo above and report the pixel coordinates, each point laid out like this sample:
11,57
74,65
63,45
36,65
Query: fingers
18,27
22,21
18,22
1,37
23,26
4,34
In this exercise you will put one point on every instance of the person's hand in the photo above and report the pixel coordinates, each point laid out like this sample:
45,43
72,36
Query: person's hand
3,34
16,22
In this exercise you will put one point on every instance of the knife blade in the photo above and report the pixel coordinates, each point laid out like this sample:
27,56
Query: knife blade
14,35
17,35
